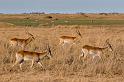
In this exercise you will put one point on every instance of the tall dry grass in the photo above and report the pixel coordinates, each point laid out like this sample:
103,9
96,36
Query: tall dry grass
65,61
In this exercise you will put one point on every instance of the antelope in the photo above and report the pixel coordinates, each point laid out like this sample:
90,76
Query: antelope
21,42
66,39
22,56
69,39
91,51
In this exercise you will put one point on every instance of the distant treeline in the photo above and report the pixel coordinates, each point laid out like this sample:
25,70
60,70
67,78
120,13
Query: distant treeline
35,13
97,13
82,13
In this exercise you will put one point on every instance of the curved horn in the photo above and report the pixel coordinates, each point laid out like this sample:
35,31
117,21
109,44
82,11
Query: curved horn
26,31
78,32
49,50
109,45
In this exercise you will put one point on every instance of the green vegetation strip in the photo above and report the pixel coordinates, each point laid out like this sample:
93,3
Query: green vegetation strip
21,22
35,23
89,22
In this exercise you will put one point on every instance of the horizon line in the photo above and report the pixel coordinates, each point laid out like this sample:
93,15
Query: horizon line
62,12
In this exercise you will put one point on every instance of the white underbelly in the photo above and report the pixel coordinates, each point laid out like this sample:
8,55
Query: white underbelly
28,58
67,41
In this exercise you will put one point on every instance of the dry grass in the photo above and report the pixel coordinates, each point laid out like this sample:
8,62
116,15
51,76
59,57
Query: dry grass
65,65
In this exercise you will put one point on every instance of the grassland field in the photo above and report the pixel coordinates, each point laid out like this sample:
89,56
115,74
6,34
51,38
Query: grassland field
36,20
65,65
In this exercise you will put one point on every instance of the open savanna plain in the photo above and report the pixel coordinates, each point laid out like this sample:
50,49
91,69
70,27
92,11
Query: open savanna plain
65,65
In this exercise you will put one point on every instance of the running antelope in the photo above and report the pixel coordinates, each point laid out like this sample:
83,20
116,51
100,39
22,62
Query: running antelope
35,57
21,42
66,39
91,51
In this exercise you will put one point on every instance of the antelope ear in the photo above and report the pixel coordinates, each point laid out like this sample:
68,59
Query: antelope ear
30,34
